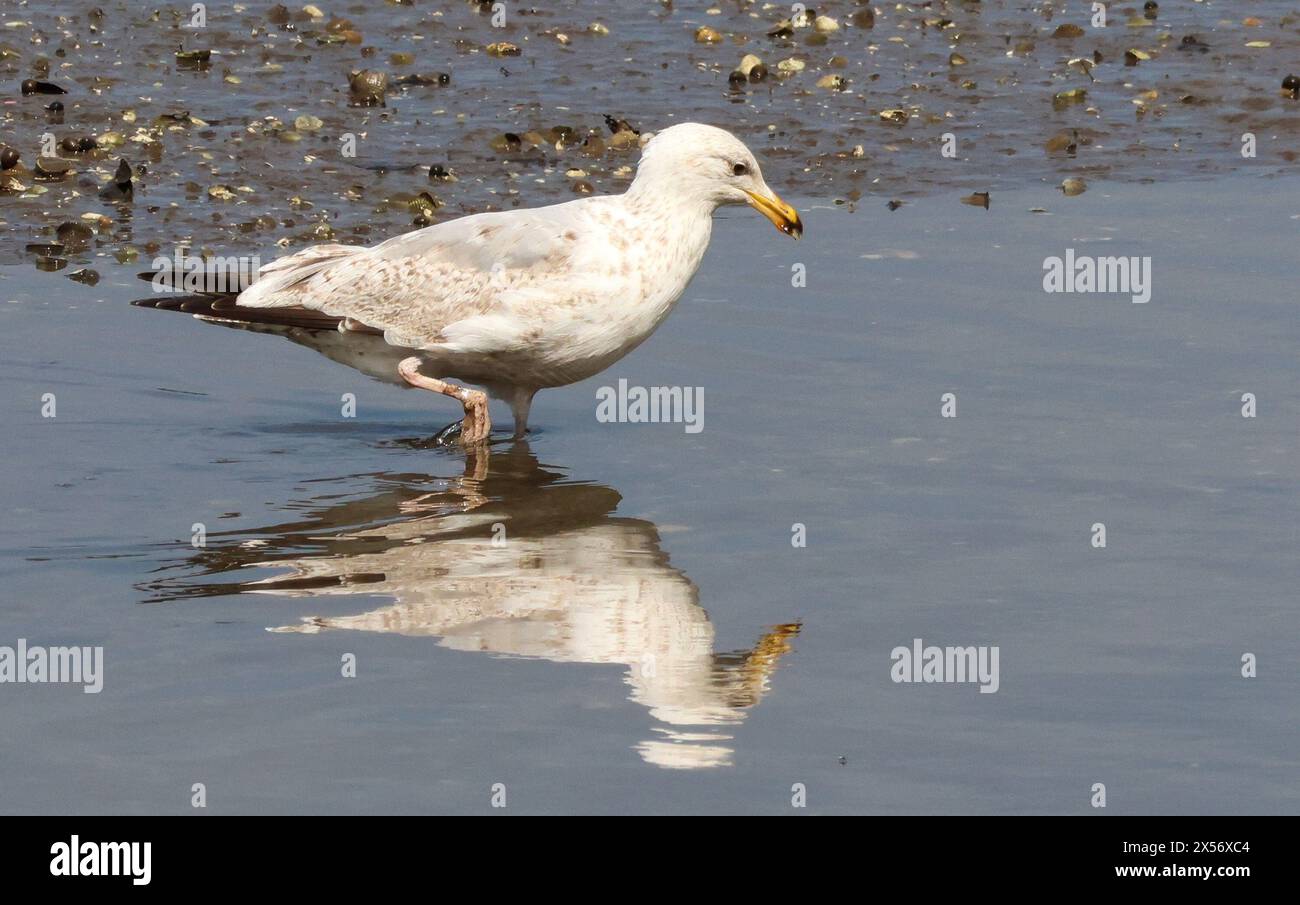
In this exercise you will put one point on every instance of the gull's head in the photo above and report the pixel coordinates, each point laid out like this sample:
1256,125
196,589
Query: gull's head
711,166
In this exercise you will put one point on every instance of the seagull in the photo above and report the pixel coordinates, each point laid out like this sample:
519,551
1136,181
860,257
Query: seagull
511,301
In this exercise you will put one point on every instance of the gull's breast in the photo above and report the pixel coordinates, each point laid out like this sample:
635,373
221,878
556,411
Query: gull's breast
601,293
621,290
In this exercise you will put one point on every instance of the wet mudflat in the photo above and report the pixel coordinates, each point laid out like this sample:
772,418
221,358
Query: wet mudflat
647,638
266,126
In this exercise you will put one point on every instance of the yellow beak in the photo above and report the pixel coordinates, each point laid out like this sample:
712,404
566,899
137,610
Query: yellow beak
782,215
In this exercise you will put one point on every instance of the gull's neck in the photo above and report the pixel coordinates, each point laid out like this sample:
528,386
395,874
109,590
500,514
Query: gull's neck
675,215
677,224
653,190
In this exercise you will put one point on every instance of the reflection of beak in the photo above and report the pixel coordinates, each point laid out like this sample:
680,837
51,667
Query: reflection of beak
782,215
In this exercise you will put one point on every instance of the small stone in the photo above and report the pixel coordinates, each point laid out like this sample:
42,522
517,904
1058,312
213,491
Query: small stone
32,86
507,142
74,235
52,167
1073,186
1062,141
193,59
706,35
620,141
416,78
367,88
78,144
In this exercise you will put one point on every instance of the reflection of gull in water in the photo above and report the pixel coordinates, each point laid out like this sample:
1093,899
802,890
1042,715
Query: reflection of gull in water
512,560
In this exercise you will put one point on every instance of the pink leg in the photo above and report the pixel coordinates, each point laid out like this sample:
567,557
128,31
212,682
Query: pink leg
477,425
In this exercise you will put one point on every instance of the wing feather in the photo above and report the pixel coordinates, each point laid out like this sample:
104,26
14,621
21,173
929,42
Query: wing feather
450,285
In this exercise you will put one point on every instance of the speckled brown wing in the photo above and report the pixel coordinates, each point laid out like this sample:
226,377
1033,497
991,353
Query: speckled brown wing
418,287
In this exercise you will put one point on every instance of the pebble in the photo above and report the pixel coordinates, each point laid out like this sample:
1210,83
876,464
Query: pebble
752,68
193,59
32,86
78,144
367,88
52,167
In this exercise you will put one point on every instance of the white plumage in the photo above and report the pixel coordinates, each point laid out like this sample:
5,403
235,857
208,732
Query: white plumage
520,300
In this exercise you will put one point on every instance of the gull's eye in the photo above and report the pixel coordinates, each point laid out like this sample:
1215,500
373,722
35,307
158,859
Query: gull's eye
739,169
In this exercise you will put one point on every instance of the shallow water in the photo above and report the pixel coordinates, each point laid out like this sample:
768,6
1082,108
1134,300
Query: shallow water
648,639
